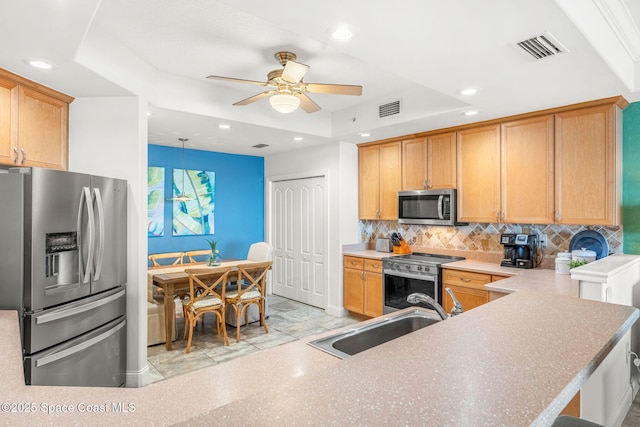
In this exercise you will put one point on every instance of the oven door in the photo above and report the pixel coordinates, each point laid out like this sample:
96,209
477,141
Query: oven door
398,286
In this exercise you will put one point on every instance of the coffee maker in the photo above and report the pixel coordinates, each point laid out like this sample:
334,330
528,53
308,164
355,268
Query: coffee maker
519,250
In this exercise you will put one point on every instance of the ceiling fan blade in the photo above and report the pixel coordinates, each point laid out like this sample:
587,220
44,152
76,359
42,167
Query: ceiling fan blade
255,98
334,89
307,104
294,71
231,79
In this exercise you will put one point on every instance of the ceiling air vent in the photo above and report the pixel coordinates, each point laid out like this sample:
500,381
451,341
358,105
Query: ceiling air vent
542,46
260,145
389,109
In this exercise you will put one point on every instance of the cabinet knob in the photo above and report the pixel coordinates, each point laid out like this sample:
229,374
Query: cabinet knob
557,214
465,279
498,216
24,156
15,150
429,183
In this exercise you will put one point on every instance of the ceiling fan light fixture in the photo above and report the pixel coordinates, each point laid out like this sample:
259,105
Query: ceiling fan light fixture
284,103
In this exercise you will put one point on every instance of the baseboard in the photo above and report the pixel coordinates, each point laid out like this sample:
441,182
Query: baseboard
135,379
336,311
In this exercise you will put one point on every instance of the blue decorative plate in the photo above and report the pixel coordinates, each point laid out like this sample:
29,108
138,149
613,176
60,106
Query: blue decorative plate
590,240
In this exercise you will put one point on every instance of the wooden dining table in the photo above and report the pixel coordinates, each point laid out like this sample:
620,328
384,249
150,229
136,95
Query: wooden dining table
172,280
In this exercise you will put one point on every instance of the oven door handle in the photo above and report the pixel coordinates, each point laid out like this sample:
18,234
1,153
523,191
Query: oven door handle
426,277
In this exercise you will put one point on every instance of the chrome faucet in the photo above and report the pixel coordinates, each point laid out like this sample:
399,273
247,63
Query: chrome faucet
457,307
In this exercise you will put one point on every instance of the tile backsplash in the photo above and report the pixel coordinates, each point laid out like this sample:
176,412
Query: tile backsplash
481,237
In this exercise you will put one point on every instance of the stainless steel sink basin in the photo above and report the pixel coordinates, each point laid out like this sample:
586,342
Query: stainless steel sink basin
353,341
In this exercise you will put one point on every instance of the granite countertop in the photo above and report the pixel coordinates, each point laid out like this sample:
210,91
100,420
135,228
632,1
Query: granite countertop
503,363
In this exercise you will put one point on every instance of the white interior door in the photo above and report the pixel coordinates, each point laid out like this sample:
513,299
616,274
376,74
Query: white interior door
299,236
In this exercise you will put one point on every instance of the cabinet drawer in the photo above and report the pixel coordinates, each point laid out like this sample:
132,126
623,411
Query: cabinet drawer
373,265
465,279
353,262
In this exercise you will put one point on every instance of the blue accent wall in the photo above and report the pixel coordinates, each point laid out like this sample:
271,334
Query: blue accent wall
239,200
631,178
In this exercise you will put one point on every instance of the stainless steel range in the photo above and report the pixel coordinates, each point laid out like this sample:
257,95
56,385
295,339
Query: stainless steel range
407,274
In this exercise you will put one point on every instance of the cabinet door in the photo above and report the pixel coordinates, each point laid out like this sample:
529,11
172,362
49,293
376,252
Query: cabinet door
479,174
368,182
43,130
441,161
527,171
414,164
353,290
390,179
468,297
587,146
373,294
8,122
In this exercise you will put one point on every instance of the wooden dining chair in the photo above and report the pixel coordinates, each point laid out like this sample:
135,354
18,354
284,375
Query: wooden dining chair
204,297
251,289
198,256
166,259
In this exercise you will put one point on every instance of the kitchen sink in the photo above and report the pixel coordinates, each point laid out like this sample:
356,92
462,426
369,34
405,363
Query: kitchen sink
353,341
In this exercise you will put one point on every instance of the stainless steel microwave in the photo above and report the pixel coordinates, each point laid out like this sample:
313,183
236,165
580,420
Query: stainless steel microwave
427,207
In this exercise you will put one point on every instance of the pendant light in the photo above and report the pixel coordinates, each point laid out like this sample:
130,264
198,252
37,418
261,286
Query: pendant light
182,197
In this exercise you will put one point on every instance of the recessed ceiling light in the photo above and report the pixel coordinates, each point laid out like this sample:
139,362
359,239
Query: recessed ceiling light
468,91
364,134
471,113
297,138
43,64
342,33
224,126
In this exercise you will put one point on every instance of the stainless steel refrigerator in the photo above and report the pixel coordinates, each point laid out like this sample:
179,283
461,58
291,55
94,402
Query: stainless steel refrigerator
63,266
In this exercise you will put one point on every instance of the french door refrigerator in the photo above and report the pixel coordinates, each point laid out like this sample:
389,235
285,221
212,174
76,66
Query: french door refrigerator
63,266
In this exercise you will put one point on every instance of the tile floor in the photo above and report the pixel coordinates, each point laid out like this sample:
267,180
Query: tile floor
288,321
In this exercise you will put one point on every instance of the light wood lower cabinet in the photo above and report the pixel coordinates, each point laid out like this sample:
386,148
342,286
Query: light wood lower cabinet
468,288
362,283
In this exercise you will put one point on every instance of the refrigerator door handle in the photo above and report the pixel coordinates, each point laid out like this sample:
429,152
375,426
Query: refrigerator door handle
100,235
73,311
85,197
77,348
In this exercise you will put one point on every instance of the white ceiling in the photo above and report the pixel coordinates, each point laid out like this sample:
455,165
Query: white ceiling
421,54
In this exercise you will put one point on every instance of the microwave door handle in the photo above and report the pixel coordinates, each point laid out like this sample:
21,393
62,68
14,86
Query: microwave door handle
440,202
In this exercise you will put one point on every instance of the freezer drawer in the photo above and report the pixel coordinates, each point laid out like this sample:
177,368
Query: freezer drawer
53,326
96,359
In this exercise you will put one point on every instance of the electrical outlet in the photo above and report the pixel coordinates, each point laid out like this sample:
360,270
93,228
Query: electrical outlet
542,240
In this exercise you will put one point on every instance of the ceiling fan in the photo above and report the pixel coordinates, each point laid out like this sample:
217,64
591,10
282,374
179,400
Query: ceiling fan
287,90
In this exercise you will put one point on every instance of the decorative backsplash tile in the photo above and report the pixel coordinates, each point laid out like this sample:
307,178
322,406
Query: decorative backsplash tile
480,237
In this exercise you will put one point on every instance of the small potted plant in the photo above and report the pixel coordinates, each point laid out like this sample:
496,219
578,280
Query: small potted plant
214,258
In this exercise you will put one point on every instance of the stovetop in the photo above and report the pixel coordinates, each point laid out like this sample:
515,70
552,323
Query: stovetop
419,262
422,257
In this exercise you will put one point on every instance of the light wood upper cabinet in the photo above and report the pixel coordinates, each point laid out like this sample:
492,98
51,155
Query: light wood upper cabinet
34,123
587,161
429,162
379,180
479,174
8,120
527,171
414,164
505,172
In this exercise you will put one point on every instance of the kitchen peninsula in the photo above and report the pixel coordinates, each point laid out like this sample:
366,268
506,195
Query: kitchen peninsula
515,361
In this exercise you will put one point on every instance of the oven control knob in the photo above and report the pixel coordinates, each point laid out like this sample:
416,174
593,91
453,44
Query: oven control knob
419,268
408,267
